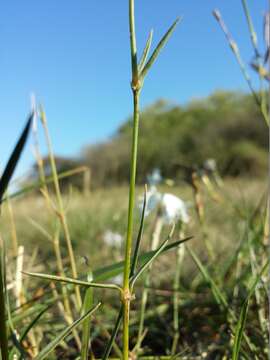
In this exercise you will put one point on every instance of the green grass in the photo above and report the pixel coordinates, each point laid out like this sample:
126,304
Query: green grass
204,321
208,302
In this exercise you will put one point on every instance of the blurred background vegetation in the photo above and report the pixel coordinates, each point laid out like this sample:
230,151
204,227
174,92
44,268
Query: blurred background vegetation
226,126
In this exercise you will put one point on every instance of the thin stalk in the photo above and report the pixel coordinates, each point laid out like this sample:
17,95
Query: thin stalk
55,237
179,261
135,84
154,244
200,213
126,287
252,32
61,210
267,220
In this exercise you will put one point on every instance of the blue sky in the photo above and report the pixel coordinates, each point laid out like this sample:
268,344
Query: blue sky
74,55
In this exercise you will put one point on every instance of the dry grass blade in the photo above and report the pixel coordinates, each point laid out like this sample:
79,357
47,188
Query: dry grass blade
48,180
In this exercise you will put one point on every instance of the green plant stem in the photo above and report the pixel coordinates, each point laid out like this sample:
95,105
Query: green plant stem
126,288
136,91
179,260
133,46
154,244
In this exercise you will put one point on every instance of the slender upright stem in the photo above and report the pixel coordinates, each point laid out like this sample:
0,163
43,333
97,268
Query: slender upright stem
154,245
179,261
126,287
132,189
252,32
135,85
268,200
133,46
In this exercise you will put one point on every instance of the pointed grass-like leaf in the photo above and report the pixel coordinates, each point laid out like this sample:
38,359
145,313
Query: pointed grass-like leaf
155,254
139,237
146,258
52,345
132,271
257,279
14,158
68,280
114,334
33,323
146,51
157,50
87,304
219,297
240,330
110,271
19,343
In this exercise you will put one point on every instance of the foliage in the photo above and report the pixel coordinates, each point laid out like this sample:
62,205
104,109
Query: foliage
171,136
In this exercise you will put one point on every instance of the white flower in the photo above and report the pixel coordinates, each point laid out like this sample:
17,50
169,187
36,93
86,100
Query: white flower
173,209
113,239
153,198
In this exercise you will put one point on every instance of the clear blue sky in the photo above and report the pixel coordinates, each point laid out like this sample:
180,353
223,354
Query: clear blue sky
75,56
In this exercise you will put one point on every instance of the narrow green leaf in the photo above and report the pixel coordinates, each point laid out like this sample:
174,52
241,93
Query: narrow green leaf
87,304
18,343
139,237
219,297
240,330
157,50
72,281
33,322
108,272
257,279
155,254
52,345
14,158
144,259
114,333
146,51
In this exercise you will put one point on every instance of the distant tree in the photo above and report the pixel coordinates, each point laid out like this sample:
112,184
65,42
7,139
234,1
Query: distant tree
224,126
63,164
